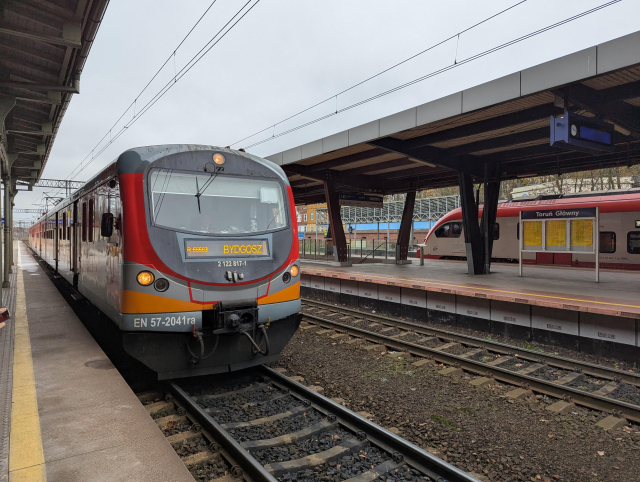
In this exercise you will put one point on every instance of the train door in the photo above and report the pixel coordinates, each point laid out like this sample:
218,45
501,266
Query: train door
75,255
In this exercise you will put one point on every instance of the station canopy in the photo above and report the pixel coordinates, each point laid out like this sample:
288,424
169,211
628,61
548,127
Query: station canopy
43,48
504,123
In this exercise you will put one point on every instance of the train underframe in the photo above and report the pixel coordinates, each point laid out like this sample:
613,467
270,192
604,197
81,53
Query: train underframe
177,355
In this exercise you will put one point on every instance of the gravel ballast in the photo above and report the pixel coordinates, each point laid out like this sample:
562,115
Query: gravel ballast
479,430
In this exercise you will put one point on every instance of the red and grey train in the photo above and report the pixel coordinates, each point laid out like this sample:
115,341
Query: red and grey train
619,231
190,250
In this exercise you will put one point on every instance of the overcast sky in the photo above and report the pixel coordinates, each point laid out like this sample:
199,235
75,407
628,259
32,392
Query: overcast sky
285,56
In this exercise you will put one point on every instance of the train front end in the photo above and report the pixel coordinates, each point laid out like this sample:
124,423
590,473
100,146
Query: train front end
210,275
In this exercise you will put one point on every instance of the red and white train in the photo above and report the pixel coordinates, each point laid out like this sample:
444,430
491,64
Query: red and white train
619,231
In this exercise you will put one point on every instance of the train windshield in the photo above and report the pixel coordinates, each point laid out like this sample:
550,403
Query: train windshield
206,203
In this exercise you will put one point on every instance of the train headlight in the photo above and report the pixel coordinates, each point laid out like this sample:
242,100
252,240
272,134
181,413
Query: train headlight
286,277
161,284
218,159
294,271
145,278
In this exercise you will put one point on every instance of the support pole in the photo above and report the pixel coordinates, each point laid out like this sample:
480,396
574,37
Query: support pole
472,235
335,219
489,214
11,204
405,228
7,233
596,235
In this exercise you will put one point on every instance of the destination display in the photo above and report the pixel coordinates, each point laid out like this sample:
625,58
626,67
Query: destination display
226,248
560,213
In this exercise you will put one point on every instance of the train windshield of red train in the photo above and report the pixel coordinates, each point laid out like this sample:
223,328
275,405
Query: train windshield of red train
215,204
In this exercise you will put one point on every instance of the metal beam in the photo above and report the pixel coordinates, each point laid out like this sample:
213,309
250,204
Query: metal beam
488,125
380,166
337,176
70,35
75,89
616,111
340,161
430,155
498,142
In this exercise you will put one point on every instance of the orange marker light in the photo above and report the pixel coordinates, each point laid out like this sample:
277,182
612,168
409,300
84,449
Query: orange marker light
218,159
294,271
145,278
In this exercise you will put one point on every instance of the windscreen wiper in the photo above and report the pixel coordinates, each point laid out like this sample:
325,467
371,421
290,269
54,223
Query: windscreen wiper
204,188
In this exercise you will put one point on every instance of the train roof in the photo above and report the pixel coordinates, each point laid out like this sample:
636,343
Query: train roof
623,200
610,192
137,158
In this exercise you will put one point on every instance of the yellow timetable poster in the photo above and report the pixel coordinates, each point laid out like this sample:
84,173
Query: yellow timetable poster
533,233
582,232
556,233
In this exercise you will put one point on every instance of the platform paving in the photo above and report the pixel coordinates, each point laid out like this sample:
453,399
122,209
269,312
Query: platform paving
557,287
92,426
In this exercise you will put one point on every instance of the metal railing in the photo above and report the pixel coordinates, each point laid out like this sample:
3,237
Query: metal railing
358,251
425,209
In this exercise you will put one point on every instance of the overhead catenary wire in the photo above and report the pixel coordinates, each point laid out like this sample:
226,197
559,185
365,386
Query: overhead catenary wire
220,34
398,64
457,63
172,82
133,104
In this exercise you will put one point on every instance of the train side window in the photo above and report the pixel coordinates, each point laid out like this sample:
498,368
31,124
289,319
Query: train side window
496,231
607,242
443,231
84,222
456,230
633,242
91,220
64,225
518,231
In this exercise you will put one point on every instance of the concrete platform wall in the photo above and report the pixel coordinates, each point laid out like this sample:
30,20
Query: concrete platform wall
608,336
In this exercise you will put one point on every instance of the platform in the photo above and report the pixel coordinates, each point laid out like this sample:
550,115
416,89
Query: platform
73,417
556,305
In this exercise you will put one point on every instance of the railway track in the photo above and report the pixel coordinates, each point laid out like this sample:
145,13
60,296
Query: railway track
264,426
582,383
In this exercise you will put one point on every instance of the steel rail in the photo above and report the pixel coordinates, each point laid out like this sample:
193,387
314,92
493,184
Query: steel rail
250,465
503,348
590,400
414,456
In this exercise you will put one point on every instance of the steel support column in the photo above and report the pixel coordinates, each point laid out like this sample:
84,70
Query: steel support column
405,227
7,233
12,196
489,213
335,219
472,236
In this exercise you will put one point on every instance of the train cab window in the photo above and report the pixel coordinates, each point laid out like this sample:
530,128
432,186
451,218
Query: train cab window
607,242
84,222
633,242
449,230
443,231
91,220
222,204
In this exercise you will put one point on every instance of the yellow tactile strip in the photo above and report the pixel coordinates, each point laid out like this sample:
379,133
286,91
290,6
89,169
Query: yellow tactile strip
26,456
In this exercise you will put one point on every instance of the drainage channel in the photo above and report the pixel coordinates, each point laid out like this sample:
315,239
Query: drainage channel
580,384
264,426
